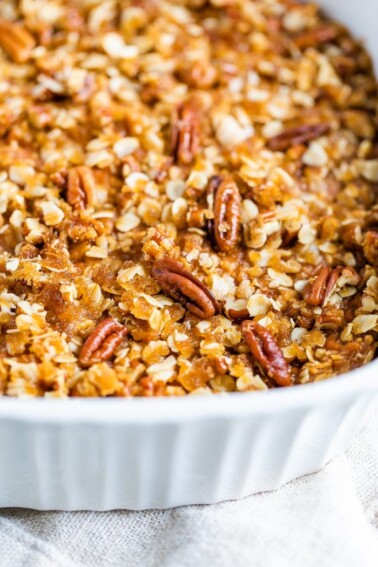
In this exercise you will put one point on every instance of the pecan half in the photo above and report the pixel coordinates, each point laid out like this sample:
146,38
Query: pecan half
298,135
80,187
225,227
16,41
318,35
331,283
182,286
314,293
185,134
268,354
102,342
319,290
331,318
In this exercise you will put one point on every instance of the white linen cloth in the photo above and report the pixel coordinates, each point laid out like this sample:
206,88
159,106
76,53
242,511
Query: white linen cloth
328,519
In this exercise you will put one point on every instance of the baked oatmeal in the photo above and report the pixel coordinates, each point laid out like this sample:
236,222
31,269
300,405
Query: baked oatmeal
188,194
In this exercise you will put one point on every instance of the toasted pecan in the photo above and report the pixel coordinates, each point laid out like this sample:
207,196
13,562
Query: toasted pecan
185,132
80,187
298,135
322,285
224,229
323,33
267,353
182,286
102,342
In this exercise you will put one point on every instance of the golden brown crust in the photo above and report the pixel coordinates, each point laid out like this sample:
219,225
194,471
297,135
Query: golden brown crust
202,174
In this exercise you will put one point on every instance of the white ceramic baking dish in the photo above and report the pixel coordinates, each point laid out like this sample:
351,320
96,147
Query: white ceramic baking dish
160,453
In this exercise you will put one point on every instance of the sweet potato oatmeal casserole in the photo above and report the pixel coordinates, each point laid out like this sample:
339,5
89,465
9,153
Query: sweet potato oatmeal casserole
188,195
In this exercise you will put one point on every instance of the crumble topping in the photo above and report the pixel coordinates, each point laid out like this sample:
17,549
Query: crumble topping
188,197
